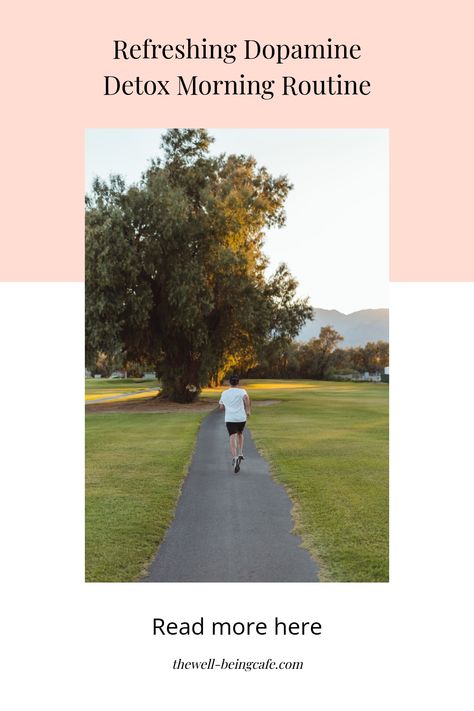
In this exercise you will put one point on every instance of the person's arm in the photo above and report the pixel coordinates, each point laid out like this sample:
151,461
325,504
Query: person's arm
221,405
247,404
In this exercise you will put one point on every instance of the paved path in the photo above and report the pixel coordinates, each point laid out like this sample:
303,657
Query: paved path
230,527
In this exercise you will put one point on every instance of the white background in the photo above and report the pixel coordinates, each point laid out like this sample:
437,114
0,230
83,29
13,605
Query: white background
71,645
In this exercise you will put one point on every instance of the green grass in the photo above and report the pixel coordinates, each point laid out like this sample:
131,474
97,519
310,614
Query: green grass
105,387
327,442
135,467
118,388
92,385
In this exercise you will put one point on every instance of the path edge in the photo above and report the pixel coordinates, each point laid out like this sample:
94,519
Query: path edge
146,565
323,569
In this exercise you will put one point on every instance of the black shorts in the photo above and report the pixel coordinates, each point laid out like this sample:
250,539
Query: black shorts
234,427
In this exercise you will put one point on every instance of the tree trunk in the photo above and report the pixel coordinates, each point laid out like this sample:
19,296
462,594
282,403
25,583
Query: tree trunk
178,392
180,383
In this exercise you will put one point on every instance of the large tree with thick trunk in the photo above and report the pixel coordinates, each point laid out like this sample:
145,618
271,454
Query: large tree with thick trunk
175,272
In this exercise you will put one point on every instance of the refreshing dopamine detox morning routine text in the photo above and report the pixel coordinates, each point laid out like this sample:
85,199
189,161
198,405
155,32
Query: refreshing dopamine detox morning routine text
238,84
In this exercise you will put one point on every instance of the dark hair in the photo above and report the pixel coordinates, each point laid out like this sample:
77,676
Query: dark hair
234,379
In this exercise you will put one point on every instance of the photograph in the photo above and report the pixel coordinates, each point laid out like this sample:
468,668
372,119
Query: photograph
237,355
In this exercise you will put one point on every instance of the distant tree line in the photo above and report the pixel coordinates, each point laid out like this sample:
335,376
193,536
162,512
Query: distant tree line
320,358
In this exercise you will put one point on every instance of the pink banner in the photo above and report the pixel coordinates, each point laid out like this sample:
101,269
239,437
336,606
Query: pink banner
415,56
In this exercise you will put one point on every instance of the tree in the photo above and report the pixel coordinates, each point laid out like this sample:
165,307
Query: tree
315,355
373,358
376,356
175,272
328,340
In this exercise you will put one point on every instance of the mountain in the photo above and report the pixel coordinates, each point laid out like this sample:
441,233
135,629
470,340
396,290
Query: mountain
358,328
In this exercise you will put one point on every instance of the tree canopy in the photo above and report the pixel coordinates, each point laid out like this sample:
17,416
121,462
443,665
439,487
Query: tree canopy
175,269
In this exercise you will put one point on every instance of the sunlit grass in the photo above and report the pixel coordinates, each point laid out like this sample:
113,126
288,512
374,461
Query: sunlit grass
104,384
279,384
121,390
259,386
119,396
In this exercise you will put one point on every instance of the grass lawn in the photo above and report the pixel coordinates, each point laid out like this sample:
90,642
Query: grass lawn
327,443
118,388
135,466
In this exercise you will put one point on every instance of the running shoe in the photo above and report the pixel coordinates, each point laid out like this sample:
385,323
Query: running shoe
237,465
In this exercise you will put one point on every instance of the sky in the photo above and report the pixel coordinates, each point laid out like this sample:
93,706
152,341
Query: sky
335,240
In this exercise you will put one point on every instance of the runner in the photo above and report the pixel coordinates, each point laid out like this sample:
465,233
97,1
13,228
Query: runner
236,404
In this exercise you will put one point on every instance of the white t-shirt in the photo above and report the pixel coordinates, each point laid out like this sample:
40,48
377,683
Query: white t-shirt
233,401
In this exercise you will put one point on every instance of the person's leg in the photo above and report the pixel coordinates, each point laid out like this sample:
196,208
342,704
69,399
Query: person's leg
240,444
232,439
233,449
233,445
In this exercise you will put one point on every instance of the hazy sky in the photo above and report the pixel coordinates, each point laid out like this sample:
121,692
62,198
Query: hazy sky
336,236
